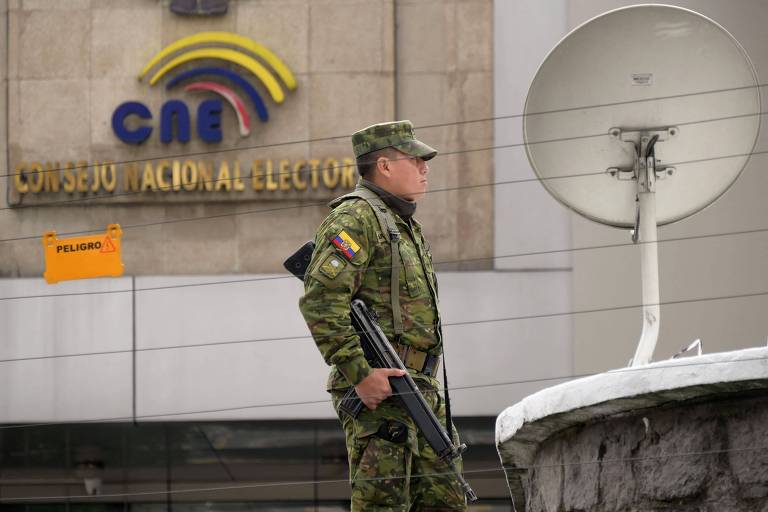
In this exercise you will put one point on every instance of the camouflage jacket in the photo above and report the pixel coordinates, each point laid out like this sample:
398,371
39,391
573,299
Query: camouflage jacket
362,270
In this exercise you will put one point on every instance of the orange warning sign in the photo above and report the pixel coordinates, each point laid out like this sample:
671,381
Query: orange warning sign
83,257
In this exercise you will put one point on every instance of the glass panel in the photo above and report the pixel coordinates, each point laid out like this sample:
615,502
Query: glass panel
215,454
45,447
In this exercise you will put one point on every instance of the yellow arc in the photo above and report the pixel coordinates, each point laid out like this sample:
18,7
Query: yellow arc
233,56
226,38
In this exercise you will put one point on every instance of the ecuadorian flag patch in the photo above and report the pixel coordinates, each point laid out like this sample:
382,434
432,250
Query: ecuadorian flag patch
348,246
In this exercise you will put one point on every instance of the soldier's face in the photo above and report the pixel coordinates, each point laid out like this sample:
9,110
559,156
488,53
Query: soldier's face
408,176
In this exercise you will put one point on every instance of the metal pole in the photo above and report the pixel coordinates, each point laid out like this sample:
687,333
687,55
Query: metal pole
649,274
133,347
168,463
647,235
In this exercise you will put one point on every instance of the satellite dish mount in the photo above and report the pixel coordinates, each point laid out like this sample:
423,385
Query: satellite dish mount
645,172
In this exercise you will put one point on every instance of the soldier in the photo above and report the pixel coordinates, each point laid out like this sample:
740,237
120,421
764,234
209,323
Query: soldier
369,247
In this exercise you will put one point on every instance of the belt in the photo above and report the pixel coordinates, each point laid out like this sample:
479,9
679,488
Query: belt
422,362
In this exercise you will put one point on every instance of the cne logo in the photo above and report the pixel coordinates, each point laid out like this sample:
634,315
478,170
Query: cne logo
205,46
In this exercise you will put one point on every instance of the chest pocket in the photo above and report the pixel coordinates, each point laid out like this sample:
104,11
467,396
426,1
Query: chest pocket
413,272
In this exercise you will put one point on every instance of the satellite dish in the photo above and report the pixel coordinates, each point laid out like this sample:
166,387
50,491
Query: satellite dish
641,117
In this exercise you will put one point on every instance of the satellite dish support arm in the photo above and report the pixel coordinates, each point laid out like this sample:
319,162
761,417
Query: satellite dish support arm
646,172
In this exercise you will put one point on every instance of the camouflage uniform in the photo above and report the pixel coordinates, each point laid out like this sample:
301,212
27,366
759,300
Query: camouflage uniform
383,445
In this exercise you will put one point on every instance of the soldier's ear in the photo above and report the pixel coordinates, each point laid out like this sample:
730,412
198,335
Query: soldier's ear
382,165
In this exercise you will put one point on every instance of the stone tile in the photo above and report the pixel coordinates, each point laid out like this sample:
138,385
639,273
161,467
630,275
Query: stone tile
274,25
49,153
265,240
288,121
437,212
337,147
275,153
54,44
345,102
54,113
474,35
144,249
426,98
474,226
14,43
350,36
475,100
28,256
205,246
443,137
128,4
476,94
14,112
115,49
437,215
424,32
388,37
10,267
60,5
175,27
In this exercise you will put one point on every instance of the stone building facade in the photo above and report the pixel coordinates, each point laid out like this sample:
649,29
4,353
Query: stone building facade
69,65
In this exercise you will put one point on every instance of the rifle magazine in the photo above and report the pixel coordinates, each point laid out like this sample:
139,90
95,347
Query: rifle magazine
351,404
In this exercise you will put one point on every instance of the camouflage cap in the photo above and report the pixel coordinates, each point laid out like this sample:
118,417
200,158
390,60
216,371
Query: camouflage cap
397,134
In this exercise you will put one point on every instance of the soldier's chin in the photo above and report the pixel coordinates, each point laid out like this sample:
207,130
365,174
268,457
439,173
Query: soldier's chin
417,197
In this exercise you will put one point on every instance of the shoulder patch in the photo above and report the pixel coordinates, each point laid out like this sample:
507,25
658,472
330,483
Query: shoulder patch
346,244
331,266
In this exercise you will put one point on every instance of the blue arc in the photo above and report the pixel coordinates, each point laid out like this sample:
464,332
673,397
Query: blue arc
244,84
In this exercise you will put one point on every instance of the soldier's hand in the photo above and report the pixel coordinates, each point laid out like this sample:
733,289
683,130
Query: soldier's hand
375,388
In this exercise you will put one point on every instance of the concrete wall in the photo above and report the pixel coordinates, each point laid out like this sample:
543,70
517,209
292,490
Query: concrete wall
255,351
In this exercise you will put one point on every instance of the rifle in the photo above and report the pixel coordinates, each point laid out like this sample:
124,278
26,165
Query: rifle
380,354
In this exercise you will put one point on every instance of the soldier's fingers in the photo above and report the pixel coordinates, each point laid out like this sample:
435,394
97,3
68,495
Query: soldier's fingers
394,372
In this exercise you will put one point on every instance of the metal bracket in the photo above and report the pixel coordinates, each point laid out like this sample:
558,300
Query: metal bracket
640,140
635,232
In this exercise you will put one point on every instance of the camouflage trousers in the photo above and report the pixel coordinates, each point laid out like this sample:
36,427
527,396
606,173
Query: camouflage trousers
391,466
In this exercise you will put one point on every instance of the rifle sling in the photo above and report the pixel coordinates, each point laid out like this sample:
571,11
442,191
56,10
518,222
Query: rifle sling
388,226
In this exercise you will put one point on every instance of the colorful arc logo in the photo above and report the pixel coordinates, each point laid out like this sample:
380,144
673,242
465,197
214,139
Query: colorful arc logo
206,46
